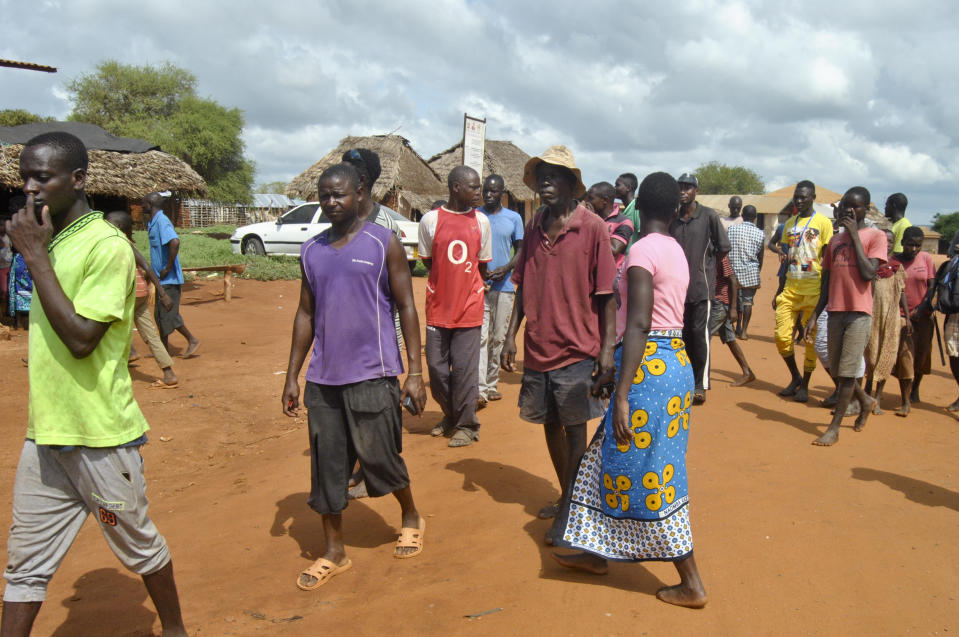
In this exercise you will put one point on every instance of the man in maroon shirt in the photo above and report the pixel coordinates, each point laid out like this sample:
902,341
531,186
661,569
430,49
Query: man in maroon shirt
564,288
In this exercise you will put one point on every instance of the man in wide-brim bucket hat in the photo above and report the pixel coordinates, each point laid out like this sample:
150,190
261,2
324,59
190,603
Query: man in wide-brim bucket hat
564,279
557,156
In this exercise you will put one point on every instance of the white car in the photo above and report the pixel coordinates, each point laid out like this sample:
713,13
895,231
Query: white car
296,226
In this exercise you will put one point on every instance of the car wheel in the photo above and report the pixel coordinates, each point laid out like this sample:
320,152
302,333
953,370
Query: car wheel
253,245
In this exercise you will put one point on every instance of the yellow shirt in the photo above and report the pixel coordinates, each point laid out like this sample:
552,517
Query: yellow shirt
806,240
897,229
86,401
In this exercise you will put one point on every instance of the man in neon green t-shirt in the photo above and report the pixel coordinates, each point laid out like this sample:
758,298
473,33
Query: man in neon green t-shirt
85,429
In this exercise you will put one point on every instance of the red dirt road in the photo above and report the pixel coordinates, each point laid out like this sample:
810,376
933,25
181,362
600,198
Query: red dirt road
790,538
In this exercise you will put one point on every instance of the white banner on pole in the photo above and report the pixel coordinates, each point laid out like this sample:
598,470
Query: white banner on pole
474,142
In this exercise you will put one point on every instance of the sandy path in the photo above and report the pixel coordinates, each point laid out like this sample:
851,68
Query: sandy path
790,538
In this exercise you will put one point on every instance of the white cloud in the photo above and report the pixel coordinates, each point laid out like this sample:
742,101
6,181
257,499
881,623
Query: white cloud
840,92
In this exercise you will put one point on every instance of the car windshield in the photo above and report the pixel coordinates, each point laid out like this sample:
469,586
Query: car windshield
393,214
301,214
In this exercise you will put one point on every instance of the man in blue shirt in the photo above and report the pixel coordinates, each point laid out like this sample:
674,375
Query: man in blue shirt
164,247
507,239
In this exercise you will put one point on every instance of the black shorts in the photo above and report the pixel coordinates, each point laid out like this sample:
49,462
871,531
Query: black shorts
559,396
168,320
719,322
360,421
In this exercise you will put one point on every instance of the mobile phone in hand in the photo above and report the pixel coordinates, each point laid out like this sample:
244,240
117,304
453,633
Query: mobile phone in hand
410,406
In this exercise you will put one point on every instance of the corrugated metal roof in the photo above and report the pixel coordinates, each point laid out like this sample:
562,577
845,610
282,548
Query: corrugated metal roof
270,200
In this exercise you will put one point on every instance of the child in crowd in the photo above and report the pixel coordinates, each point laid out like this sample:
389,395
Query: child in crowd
888,295
915,348
849,266
723,315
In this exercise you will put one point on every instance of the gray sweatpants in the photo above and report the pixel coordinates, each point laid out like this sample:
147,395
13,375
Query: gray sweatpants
452,358
55,491
496,315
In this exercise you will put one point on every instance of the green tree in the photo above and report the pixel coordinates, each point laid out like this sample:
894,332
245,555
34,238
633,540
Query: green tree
159,104
946,224
272,187
18,116
719,179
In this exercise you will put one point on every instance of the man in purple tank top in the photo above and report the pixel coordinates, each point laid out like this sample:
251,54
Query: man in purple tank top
352,276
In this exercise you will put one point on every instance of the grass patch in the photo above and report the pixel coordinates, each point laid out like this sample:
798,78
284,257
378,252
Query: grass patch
199,249
211,246
220,229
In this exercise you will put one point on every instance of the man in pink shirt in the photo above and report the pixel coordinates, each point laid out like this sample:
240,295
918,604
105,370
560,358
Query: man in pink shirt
599,199
848,268
564,288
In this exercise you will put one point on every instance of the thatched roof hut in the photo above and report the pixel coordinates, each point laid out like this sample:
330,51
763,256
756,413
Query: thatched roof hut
501,157
127,175
406,182
118,177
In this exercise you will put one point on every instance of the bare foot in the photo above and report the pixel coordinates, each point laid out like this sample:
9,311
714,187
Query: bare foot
864,414
790,389
828,439
682,595
876,411
914,396
802,395
746,378
357,491
583,562
954,406
549,511
831,400
903,411
191,349
744,336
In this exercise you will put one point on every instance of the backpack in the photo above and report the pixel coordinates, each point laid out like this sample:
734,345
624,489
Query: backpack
947,287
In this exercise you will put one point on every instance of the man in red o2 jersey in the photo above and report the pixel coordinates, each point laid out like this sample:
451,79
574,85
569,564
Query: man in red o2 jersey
455,245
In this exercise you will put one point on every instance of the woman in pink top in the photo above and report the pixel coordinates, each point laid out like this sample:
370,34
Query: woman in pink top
630,499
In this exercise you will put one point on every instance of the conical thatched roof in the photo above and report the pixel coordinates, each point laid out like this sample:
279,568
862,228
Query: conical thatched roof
500,156
404,173
130,175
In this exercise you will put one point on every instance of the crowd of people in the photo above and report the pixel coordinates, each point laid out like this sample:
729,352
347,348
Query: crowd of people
619,289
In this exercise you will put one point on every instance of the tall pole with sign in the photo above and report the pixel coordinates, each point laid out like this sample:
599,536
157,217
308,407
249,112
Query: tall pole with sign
474,142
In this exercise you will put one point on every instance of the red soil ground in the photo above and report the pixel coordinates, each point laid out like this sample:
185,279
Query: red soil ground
790,538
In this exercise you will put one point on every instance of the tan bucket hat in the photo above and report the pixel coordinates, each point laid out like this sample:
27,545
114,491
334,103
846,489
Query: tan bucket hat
558,156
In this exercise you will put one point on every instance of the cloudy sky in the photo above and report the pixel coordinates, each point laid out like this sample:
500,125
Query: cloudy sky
844,93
